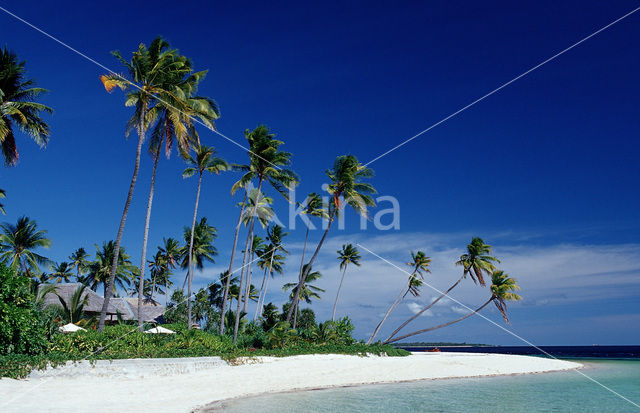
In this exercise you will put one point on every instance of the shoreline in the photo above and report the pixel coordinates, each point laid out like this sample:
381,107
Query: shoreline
133,388
218,405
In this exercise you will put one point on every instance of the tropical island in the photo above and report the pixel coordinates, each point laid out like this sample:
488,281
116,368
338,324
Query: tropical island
100,305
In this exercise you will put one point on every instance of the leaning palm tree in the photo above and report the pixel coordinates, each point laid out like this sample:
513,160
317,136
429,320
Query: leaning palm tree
347,255
312,207
18,244
475,262
62,272
175,111
198,249
502,290
99,270
271,262
420,265
347,188
18,107
147,71
267,163
3,195
79,261
203,161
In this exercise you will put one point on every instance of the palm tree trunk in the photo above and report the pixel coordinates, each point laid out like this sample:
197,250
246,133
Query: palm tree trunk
246,254
423,310
123,219
189,269
335,304
304,250
389,311
166,293
442,325
242,283
265,284
262,286
230,270
145,239
295,316
303,274
247,289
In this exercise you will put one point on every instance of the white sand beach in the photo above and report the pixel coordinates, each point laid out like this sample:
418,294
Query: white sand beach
163,385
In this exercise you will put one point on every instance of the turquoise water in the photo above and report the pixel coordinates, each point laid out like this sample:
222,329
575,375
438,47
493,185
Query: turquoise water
549,392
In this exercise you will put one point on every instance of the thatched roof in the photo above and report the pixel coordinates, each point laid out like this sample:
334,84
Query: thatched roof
127,307
151,310
66,291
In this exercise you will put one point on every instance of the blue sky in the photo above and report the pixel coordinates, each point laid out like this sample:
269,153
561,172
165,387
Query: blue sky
545,170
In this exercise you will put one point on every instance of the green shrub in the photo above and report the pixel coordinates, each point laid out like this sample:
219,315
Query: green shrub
21,327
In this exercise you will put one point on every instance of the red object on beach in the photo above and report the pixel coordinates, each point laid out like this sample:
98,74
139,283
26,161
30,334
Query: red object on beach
434,350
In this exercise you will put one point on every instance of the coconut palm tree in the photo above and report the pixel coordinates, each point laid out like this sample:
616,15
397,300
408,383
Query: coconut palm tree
271,262
347,255
147,71
198,249
227,283
79,261
267,163
74,309
312,207
347,188
18,107
502,290
99,270
203,161
308,291
261,204
62,272
175,111
157,268
420,266
171,254
18,244
476,259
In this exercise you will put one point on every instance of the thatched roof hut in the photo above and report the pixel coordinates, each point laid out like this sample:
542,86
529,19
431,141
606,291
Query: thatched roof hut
126,307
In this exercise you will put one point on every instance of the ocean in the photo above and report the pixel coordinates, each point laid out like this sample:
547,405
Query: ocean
567,391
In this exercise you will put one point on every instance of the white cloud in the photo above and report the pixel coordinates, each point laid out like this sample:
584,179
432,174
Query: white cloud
415,308
459,310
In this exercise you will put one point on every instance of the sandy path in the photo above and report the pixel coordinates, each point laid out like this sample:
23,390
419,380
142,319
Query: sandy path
136,392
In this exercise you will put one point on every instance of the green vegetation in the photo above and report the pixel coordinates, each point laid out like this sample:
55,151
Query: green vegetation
21,328
125,341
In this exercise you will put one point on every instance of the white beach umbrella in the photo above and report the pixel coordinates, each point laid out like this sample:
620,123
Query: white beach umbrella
159,330
70,328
